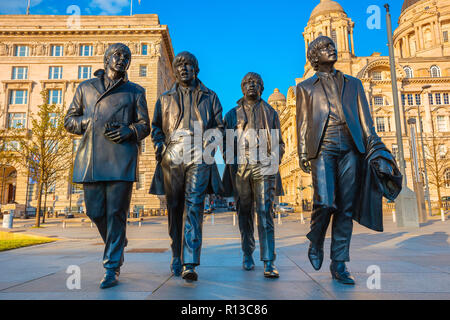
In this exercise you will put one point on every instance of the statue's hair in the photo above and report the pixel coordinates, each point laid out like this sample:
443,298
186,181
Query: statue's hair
114,48
253,75
186,57
315,47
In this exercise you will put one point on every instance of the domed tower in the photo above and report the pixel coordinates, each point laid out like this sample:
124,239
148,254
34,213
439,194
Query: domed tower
423,31
277,100
329,19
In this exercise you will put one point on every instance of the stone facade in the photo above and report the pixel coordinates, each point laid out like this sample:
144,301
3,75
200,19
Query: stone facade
422,50
42,52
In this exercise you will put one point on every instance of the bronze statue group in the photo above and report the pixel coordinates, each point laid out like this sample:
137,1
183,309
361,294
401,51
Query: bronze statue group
337,144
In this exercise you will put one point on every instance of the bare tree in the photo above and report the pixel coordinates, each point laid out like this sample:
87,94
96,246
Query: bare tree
45,149
437,161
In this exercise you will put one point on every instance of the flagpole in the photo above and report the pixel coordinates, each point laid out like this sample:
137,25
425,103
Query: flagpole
28,7
131,8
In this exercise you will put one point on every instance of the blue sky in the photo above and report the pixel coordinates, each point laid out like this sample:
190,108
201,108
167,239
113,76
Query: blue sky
231,38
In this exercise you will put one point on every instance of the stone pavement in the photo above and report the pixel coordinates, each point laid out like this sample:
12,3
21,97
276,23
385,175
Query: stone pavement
414,264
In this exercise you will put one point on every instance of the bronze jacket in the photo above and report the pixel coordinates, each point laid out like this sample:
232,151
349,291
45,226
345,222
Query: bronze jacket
236,119
166,119
98,158
313,111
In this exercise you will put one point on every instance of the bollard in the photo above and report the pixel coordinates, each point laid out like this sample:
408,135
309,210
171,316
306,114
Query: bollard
140,223
394,218
212,217
442,215
279,218
92,225
64,224
234,219
302,218
8,219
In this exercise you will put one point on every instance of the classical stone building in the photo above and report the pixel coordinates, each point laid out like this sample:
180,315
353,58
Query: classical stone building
422,50
46,52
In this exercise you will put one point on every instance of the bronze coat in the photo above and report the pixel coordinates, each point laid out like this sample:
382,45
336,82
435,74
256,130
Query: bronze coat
98,158
313,111
236,119
166,119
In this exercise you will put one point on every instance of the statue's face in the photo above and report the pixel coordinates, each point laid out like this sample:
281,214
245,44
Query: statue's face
328,53
252,88
184,72
119,61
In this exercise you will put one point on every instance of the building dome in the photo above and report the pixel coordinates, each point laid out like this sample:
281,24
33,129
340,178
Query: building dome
409,3
276,96
326,6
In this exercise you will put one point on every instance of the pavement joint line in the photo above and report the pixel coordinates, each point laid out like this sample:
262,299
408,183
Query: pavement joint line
314,280
28,281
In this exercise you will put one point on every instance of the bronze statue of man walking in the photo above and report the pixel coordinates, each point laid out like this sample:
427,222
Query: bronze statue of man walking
181,174
335,132
110,113
250,176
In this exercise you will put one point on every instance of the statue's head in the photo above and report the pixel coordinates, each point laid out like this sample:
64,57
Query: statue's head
185,67
322,51
252,86
117,57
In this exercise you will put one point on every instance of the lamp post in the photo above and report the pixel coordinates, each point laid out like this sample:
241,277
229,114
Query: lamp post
425,171
406,204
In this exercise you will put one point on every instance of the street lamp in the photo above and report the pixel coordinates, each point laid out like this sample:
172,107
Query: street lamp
427,188
406,203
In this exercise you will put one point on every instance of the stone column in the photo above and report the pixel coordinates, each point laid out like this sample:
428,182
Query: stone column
353,43
427,108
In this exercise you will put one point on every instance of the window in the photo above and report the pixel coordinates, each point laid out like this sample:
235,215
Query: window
438,98
84,72
18,97
446,100
410,99
435,72
12,145
334,36
76,144
21,51
430,98
442,151
381,124
17,120
55,73
418,99
19,73
142,149
441,123
144,49
53,119
55,96
140,183
447,178
142,71
409,72
86,50
57,51
445,36
403,99
395,151
378,100
376,75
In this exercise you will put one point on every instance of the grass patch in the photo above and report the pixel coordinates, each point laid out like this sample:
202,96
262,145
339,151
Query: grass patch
10,240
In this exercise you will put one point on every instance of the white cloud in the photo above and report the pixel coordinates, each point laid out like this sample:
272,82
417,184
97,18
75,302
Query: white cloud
109,6
17,6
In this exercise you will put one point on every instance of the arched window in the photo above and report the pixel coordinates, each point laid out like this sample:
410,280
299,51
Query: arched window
447,178
409,72
435,72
